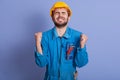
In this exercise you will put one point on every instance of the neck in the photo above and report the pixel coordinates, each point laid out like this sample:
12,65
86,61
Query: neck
61,31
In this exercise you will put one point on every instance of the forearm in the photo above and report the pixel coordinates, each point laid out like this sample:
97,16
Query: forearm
41,60
41,51
81,57
38,47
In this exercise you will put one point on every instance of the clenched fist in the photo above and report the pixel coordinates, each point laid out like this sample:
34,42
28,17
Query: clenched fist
38,36
83,40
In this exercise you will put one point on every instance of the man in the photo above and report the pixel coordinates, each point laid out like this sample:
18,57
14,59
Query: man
61,49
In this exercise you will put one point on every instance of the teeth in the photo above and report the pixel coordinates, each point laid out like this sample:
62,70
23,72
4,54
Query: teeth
60,19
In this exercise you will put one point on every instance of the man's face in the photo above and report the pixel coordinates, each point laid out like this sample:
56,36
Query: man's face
60,17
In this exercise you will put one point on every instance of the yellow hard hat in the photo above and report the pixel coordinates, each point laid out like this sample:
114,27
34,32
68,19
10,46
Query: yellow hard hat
60,4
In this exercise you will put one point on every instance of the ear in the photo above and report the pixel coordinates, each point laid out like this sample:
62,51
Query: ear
69,18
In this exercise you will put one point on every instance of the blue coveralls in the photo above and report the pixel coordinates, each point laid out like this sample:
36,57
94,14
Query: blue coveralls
59,66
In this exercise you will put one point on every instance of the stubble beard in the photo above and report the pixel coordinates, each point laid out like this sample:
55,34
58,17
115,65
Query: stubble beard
60,25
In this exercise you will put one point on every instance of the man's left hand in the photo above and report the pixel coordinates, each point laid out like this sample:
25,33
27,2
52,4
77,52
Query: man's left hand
83,40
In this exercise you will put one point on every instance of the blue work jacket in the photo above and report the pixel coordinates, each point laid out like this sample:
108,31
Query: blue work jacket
61,55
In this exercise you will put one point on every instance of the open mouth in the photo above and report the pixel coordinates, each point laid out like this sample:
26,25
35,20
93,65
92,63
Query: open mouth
60,20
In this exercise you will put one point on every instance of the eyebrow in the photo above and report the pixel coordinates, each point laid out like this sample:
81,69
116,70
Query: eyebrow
62,11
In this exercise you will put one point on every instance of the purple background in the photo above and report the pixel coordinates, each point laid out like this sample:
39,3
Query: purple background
20,19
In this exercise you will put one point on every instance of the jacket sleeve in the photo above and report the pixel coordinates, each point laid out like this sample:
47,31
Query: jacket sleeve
42,60
81,57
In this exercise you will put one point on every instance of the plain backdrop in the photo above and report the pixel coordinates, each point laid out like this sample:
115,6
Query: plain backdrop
98,19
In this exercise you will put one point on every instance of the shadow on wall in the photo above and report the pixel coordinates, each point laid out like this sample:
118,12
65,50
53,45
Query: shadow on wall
24,64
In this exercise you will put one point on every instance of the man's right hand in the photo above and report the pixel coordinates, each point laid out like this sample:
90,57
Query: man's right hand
38,37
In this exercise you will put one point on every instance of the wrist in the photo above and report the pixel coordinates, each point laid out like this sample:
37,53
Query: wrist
82,46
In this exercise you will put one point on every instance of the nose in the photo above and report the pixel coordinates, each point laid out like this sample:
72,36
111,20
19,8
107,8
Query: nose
60,14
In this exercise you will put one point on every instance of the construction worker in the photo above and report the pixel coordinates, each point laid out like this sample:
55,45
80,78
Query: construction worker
61,49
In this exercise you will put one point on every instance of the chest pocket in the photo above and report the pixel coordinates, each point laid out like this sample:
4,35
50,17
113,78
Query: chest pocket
69,52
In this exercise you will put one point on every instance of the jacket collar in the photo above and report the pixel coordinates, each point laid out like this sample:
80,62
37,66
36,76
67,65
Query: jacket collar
66,35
